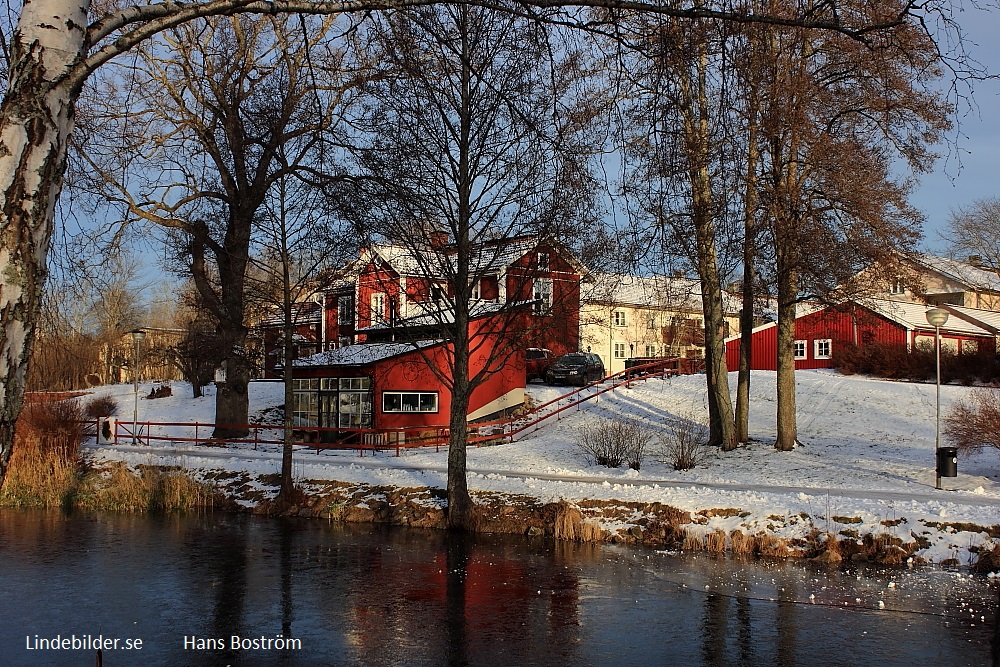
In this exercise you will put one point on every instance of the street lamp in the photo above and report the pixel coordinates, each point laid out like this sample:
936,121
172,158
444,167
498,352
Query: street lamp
138,335
937,318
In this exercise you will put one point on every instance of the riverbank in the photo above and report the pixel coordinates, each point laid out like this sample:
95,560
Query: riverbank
864,475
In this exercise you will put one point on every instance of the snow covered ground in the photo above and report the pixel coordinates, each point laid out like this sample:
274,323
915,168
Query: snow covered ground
867,459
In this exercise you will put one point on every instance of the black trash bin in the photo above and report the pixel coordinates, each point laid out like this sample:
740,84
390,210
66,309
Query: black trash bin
947,462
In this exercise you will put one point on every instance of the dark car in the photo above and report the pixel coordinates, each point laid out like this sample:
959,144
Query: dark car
537,362
576,368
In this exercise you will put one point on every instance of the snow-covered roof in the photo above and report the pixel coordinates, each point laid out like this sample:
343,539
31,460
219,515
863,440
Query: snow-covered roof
487,258
914,316
989,318
445,315
666,292
303,312
360,355
972,276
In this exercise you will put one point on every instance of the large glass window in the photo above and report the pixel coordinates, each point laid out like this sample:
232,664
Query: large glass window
305,402
409,401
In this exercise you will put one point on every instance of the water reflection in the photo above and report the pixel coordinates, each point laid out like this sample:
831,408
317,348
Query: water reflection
371,596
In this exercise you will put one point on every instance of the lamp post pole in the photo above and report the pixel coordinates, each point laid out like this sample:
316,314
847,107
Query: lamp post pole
137,335
937,317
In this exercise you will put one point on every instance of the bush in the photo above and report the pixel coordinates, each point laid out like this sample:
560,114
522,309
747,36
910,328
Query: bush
100,406
972,425
919,365
613,443
684,441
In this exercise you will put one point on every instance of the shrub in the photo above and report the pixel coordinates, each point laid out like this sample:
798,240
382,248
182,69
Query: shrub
683,443
613,443
971,424
100,406
919,365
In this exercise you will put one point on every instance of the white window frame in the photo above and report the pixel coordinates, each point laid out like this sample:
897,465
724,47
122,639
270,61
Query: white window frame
426,402
542,294
378,307
619,351
823,342
477,290
542,261
618,318
345,310
651,322
801,349
650,350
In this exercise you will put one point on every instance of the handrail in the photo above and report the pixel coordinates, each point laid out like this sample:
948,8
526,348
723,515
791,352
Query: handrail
397,438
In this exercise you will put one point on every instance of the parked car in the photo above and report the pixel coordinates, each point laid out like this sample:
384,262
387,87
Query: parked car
537,363
576,368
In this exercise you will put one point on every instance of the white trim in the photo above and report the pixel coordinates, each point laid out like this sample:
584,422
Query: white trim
820,341
511,399
805,349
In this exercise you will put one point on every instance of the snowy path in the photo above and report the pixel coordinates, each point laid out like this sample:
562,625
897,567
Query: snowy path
189,458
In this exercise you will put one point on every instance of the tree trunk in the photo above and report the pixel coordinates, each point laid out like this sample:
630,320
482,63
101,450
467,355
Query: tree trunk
36,118
460,504
787,298
232,401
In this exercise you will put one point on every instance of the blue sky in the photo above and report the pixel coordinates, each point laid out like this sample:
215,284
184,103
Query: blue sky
970,164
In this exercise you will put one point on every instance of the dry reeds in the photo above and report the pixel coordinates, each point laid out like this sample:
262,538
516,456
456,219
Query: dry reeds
771,546
715,542
39,476
120,489
742,544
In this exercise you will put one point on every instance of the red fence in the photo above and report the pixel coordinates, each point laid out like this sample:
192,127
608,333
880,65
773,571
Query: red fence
383,439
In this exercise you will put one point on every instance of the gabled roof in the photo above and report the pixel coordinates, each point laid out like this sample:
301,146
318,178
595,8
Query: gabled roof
974,277
988,319
665,292
363,354
913,316
439,262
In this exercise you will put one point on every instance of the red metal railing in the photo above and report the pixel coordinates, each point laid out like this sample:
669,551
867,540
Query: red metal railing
387,439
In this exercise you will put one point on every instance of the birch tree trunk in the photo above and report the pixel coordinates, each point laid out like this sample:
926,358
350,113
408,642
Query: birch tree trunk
36,119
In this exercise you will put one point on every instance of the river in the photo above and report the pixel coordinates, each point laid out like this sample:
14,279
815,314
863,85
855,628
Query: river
227,589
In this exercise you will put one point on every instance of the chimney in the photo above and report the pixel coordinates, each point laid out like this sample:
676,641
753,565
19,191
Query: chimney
976,261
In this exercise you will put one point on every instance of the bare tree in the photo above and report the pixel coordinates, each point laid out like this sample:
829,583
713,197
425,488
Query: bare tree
473,149
974,231
678,145
237,110
298,247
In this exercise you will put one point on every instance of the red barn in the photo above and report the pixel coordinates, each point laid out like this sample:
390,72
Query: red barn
819,331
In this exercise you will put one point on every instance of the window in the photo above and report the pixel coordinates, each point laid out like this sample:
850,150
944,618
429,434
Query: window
618,317
800,349
651,322
354,384
477,290
543,261
343,341
378,307
650,350
345,310
305,402
542,294
822,348
619,350
409,401
437,294
897,286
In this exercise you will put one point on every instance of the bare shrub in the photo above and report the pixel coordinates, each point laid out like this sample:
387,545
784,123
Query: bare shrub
613,443
972,425
100,406
683,443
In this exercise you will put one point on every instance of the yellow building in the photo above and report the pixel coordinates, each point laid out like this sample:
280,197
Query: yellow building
623,317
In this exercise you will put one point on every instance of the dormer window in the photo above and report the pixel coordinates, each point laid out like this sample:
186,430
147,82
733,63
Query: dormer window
897,286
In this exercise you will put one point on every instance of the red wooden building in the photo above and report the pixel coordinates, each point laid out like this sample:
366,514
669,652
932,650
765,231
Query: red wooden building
398,385
391,292
818,332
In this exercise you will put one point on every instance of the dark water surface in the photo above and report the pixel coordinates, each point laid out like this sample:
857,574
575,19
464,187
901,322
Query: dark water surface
376,596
